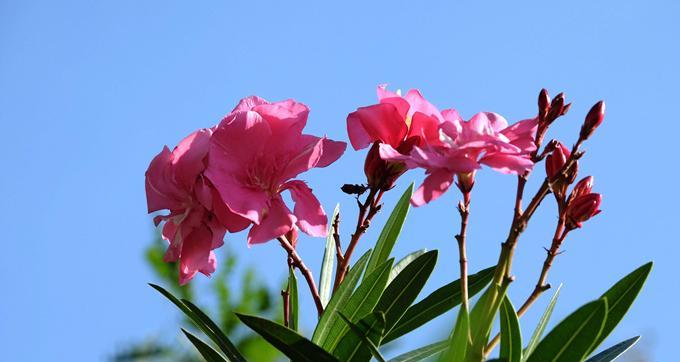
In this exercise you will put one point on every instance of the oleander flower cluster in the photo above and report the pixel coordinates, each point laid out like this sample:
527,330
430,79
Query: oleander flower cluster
231,176
235,175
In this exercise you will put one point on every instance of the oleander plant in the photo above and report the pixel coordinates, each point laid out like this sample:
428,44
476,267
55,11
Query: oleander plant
233,177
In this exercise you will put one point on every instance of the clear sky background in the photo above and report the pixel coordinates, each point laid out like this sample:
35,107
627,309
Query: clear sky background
90,91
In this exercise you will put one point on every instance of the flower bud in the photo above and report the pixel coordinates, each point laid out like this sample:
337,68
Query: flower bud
292,236
555,161
583,187
380,173
593,120
466,181
543,103
556,108
582,208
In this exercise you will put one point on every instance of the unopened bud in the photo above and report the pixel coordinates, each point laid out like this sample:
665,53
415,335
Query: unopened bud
292,236
556,108
582,208
543,103
565,109
556,161
593,120
583,187
381,174
466,181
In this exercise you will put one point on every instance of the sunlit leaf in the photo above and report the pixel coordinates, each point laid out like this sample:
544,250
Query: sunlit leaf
614,351
390,232
204,349
437,303
542,323
328,262
620,297
572,339
511,335
361,342
404,289
293,345
359,304
340,297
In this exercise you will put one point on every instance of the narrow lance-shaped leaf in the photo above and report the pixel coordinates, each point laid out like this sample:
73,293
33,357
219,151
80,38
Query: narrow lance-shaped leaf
390,232
511,335
204,349
205,324
572,338
340,297
437,303
405,288
614,351
293,303
358,305
620,297
328,263
459,339
403,263
293,345
422,353
362,340
542,323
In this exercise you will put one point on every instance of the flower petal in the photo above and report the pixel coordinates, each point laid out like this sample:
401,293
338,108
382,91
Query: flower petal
196,255
161,190
508,164
379,122
278,221
434,185
311,218
249,103
189,157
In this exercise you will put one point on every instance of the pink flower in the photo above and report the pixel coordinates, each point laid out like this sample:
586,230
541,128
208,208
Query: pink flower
462,147
256,153
401,122
198,219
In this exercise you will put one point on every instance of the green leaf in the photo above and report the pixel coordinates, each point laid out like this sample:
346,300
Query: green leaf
340,297
620,297
404,262
390,232
293,345
542,323
459,339
422,353
360,343
511,335
204,349
437,303
614,351
404,289
326,276
293,300
572,339
359,304
205,324
482,317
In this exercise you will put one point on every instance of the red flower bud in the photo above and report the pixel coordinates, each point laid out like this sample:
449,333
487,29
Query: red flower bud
582,208
556,108
583,187
466,181
555,161
543,103
292,236
380,173
593,120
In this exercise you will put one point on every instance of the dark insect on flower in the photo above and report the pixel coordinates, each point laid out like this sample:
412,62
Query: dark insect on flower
354,189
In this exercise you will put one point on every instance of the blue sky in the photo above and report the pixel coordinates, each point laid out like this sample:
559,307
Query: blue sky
91,91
